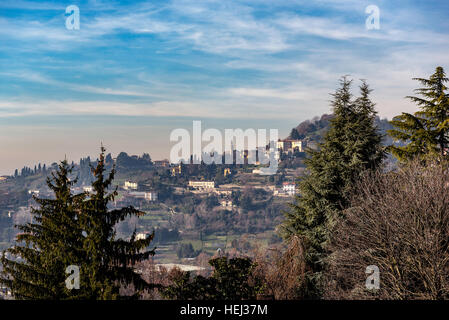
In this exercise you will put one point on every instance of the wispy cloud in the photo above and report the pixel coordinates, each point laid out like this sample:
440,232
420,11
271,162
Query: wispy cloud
231,61
195,52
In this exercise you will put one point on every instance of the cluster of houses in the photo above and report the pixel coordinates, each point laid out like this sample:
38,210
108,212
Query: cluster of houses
132,191
286,146
287,189
208,187
202,185
290,146
132,188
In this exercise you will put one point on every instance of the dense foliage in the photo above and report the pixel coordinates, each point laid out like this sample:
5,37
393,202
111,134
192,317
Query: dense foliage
232,279
74,230
351,146
51,243
426,132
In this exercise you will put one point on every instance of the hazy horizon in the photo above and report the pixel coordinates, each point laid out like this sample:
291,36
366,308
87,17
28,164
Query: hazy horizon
136,70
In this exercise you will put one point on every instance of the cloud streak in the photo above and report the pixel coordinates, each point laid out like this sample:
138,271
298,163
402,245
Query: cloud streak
201,51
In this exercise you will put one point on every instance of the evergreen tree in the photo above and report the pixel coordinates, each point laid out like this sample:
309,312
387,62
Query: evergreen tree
49,245
146,157
75,230
109,260
232,279
351,146
426,132
294,134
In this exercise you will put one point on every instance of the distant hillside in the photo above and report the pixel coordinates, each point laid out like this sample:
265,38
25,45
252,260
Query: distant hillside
128,165
314,130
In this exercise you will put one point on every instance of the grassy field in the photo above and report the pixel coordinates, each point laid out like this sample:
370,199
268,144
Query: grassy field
210,244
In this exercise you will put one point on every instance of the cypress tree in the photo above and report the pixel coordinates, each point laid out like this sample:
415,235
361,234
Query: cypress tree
426,132
294,134
48,245
110,260
351,146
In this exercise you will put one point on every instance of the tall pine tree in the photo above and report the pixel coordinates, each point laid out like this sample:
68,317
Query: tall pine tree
351,146
75,230
426,132
110,260
48,245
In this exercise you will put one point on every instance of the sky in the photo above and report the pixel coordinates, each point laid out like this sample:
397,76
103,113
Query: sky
136,70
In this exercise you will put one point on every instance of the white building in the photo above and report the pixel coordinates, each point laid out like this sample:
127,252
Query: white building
290,145
130,185
149,196
88,189
226,204
202,185
289,188
182,267
162,163
298,145
142,235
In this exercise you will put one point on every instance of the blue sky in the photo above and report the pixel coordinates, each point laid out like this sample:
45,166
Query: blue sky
138,69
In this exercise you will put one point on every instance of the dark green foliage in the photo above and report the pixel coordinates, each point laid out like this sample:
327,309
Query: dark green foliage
314,129
426,132
232,279
186,288
75,230
351,146
186,250
49,245
246,202
164,235
126,162
294,134
211,202
109,260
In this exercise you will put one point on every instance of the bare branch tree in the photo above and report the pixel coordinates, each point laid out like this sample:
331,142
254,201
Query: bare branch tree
282,270
398,221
